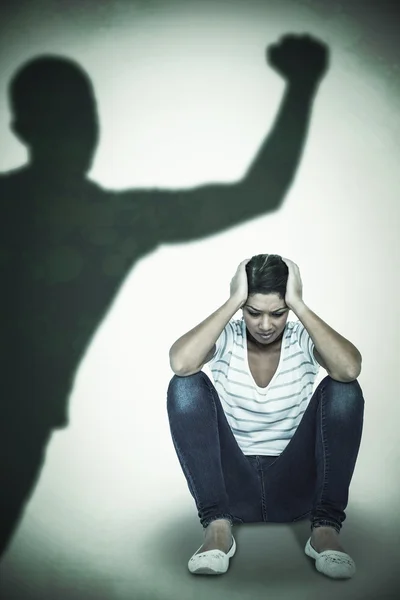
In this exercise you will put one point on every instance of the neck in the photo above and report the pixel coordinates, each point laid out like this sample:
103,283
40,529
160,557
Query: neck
54,172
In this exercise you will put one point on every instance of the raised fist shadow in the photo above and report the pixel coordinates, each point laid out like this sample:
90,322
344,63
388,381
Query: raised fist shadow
299,58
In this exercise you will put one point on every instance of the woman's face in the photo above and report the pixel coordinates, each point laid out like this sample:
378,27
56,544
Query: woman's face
265,316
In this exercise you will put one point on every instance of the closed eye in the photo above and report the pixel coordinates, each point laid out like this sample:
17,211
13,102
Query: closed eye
253,314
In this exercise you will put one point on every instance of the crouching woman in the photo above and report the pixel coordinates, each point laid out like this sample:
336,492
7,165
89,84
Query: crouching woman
259,444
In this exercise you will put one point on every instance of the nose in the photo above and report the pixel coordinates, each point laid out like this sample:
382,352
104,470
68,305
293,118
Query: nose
264,324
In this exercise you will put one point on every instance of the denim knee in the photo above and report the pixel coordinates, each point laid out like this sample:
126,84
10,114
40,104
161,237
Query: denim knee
344,397
184,392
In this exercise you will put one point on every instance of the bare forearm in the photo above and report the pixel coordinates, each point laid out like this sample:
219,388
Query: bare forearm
188,354
340,357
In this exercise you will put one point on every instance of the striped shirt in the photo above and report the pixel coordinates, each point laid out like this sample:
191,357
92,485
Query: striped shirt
263,420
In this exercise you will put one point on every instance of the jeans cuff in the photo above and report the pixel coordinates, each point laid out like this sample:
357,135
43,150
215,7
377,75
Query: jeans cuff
325,523
226,516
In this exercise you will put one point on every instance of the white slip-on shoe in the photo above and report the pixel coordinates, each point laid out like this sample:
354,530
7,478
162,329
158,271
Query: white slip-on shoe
332,563
212,562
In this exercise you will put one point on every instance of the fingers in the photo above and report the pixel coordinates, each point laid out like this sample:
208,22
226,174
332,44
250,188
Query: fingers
244,263
290,264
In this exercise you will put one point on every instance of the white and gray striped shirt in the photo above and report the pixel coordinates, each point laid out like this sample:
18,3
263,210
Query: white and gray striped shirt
263,420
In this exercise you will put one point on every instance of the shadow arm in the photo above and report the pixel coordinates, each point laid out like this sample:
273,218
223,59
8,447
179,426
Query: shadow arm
184,215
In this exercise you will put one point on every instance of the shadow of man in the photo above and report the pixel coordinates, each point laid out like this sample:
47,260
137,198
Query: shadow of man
67,244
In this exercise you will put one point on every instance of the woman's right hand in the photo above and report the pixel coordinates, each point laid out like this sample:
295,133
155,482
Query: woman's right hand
239,287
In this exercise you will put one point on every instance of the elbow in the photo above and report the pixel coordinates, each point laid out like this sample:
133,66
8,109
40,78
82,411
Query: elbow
350,373
175,359
267,193
176,365
179,367
355,368
180,372
183,372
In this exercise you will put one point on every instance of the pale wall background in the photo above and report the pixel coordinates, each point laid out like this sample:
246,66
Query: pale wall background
111,516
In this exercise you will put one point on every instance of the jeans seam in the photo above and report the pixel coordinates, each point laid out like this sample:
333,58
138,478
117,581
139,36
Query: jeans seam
302,516
186,470
211,389
263,498
324,452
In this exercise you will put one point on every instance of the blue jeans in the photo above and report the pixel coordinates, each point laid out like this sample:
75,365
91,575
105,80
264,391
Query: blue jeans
309,479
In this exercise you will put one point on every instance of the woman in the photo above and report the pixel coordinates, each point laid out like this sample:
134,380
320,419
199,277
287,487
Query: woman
260,445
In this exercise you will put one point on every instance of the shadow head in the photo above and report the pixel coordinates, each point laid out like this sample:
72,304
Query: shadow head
54,113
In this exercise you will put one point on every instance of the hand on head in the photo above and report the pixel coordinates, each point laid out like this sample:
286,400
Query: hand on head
294,286
239,286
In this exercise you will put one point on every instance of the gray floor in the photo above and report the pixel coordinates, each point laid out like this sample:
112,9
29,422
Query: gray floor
269,563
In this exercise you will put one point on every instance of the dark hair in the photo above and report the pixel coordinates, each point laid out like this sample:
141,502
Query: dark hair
267,274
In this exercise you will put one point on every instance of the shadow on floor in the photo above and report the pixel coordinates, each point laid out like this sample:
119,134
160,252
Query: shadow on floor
267,560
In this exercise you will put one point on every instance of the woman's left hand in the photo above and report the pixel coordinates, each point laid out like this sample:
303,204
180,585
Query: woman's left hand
294,287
